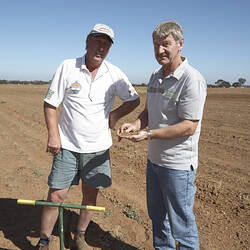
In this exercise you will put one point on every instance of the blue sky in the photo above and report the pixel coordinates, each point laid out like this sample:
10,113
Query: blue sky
36,36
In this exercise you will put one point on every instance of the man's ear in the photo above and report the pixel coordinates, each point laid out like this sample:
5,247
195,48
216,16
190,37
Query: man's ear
181,44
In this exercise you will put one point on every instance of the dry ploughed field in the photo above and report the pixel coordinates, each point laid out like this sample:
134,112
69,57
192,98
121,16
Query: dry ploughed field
222,199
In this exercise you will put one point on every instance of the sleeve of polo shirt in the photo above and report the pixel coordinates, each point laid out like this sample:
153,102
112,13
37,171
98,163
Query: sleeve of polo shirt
124,88
56,90
192,100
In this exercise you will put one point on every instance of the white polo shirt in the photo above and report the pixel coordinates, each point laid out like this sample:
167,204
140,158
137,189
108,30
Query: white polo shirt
84,118
170,100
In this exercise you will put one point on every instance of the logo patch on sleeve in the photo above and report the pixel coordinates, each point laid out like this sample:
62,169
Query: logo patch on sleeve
49,94
131,92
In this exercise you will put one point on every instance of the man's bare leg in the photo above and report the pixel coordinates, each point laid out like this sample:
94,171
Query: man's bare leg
50,214
89,198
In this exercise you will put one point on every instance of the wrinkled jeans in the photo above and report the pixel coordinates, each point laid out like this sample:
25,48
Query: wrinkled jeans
170,200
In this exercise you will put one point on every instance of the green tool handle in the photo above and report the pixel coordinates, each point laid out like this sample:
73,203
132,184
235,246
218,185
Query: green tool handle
61,206
54,204
61,228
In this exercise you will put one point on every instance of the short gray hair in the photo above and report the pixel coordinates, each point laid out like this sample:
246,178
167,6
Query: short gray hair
166,28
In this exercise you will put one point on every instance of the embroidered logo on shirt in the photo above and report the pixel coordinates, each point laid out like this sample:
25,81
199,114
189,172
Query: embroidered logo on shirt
75,87
167,93
170,94
49,94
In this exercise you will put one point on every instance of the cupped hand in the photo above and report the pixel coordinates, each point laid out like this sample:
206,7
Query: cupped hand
140,136
126,131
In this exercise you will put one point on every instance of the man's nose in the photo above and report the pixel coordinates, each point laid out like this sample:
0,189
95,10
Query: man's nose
161,49
102,46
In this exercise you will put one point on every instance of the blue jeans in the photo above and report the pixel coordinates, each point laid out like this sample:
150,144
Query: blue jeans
170,200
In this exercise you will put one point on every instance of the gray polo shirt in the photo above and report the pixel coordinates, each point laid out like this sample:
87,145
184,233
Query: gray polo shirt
178,96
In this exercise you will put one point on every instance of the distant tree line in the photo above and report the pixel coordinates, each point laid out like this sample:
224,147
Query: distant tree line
41,82
218,84
140,84
225,84
22,82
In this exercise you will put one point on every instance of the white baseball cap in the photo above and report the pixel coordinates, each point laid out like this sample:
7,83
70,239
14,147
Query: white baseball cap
103,29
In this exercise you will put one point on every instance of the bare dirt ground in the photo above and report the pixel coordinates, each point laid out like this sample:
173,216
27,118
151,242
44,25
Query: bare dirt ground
222,199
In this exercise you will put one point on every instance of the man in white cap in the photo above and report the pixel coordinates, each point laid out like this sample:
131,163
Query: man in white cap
80,139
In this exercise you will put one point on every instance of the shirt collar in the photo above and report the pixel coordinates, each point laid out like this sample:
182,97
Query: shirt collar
180,69
101,71
83,65
177,74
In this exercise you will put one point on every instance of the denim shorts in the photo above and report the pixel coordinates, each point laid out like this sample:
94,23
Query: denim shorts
68,167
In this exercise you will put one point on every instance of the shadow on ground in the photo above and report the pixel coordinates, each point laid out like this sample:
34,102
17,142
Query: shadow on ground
17,222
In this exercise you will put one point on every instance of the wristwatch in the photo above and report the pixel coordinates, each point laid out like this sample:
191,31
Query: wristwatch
148,134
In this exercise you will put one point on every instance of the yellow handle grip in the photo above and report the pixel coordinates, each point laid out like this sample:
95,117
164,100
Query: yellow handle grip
34,203
26,202
94,208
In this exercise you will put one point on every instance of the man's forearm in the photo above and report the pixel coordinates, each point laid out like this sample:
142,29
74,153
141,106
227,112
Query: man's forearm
184,128
125,108
142,121
51,119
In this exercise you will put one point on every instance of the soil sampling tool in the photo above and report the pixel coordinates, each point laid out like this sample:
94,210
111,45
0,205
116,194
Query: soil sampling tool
61,207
